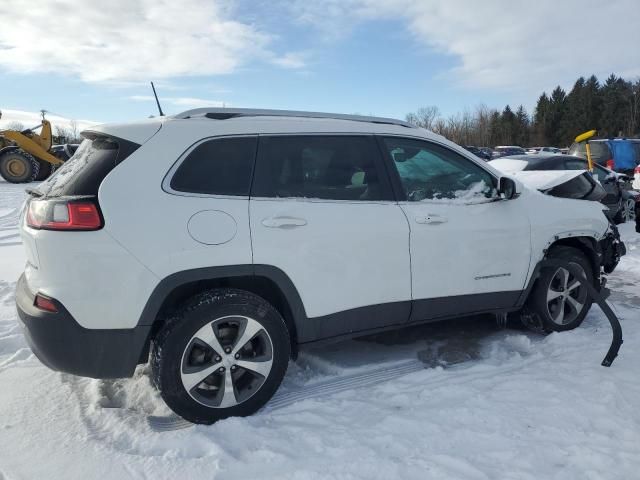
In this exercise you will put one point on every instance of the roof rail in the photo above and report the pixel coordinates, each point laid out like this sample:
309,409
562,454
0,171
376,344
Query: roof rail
226,113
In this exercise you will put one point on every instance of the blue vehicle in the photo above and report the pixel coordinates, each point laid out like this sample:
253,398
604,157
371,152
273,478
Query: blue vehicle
619,154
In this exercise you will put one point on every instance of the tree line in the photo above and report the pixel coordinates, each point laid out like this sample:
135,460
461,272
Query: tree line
612,108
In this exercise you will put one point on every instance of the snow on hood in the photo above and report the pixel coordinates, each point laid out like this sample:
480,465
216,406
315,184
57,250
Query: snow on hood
509,165
544,180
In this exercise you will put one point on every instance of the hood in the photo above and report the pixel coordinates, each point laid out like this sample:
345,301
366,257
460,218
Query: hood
576,184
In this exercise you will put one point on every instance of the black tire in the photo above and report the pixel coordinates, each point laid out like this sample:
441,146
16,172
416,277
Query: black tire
172,352
46,169
560,313
17,166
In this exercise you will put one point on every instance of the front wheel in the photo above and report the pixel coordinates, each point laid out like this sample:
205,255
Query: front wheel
223,354
558,300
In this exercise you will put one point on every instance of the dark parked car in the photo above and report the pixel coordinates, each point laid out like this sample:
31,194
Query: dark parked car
479,152
612,182
618,154
64,152
504,150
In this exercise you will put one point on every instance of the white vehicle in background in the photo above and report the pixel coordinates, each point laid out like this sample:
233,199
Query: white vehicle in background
216,243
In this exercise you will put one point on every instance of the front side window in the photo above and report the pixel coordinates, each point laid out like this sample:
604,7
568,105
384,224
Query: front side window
432,172
220,166
321,167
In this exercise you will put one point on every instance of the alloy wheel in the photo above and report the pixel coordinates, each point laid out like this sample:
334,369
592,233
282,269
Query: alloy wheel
566,296
226,361
629,210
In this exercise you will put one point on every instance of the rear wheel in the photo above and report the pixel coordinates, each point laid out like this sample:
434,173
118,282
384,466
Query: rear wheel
17,166
558,300
223,354
46,169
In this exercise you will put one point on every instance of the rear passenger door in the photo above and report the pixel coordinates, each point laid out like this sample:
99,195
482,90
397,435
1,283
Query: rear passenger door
322,211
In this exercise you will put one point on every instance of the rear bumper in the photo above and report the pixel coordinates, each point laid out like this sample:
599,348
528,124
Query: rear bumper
63,345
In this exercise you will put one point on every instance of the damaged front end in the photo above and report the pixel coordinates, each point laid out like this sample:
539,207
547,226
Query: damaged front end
580,185
573,184
612,248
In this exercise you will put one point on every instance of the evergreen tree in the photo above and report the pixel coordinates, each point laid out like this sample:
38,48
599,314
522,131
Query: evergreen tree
576,117
521,134
555,114
495,133
616,109
593,101
508,125
540,120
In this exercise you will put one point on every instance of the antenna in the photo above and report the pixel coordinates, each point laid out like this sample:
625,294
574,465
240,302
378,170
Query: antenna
157,101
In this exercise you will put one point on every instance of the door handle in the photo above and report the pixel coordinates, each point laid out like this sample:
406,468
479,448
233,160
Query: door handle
283,222
430,219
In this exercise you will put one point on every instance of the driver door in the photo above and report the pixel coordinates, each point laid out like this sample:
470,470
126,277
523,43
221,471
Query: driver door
470,249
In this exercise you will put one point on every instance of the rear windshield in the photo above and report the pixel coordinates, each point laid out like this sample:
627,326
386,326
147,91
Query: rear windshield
599,151
85,170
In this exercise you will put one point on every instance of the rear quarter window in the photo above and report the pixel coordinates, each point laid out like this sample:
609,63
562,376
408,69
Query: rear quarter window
221,166
84,171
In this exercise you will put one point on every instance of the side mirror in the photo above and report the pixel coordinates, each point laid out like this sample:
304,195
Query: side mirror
508,188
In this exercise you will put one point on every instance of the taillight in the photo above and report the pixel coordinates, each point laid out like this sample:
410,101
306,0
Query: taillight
610,164
636,170
63,215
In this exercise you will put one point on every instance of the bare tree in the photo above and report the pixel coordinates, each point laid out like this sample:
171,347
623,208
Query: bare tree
63,134
18,126
424,117
73,131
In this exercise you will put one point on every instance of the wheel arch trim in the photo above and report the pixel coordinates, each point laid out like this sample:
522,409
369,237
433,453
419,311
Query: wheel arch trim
588,245
169,284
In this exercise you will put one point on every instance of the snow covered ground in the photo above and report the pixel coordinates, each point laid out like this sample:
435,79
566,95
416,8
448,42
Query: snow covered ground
509,404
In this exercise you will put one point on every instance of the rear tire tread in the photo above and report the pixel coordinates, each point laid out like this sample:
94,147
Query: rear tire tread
163,349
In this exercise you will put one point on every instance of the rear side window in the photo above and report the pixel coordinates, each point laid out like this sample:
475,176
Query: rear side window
221,166
322,167
84,171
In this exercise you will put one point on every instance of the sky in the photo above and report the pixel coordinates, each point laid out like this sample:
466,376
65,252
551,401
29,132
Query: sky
84,61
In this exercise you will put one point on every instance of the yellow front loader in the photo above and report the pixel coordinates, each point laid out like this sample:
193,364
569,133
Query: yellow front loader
26,156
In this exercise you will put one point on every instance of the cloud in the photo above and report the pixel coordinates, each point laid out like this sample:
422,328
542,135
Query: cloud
32,119
514,45
129,40
294,60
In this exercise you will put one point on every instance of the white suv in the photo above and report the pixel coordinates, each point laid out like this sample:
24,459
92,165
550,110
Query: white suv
216,242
